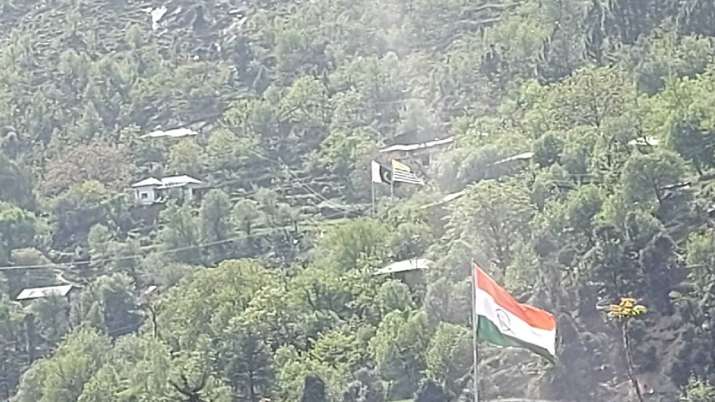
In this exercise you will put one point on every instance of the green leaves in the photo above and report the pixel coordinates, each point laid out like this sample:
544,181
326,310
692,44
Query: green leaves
354,245
645,178
399,346
394,295
248,362
138,371
17,228
491,216
62,378
244,215
181,233
215,221
186,158
700,261
697,390
449,357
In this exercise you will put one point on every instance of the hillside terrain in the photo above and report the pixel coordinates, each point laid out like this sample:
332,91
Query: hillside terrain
192,181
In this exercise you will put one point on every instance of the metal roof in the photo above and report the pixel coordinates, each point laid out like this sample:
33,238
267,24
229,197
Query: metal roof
148,182
167,182
38,293
174,133
414,147
645,141
406,265
178,181
446,199
520,157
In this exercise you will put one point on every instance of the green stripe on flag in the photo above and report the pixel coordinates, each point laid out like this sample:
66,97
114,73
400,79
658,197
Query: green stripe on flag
489,332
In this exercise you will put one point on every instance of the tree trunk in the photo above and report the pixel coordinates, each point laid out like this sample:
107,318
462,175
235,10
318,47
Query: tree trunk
629,360
251,388
30,332
656,189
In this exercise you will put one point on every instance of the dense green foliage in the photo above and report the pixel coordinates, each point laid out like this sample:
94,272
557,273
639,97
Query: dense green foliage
264,285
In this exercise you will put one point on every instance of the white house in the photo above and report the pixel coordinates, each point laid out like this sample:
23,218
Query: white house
151,190
145,191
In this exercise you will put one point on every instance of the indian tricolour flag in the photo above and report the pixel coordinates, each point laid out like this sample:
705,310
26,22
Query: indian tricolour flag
505,322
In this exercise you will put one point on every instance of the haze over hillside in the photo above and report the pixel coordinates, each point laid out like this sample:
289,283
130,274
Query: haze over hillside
190,208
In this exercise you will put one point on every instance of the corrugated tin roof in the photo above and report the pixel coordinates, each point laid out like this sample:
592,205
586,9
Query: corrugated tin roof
38,293
174,133
647,141
167,182
446,199
148,182
520,157
176,181
414,147
406,265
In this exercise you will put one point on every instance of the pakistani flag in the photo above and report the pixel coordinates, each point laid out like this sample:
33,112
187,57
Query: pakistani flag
505,322
381,174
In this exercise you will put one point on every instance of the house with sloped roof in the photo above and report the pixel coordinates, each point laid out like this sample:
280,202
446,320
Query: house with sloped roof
421,153
410,271
29,294
412,264
151,190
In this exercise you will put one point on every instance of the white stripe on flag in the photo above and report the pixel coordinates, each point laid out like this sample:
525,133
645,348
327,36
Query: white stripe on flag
376,178
406,178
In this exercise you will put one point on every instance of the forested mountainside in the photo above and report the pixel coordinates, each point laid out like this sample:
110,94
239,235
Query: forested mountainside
193,179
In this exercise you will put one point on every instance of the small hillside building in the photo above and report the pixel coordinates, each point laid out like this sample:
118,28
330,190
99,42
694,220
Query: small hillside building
29,294
145,191
174,133
411,265
411,271
423,152
151,190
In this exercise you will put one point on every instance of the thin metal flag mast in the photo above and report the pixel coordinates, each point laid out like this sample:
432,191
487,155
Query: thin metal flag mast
475,317
475,330
372,197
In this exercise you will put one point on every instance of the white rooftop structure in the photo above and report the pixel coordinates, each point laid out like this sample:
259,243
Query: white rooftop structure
150,190
412,264
149,182
174,133
419,146
49,291
167,182
148,293
520,157
645,141
178,181
156,15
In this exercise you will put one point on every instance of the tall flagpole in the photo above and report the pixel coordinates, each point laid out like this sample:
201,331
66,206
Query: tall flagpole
392,188
372,191
475,329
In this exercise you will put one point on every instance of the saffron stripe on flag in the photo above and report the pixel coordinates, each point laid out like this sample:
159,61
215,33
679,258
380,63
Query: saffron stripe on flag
531,315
